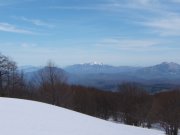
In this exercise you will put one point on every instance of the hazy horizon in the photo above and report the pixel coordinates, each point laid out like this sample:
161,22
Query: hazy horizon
99,64
114,32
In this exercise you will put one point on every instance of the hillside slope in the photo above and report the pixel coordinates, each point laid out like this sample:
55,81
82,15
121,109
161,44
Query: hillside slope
22,117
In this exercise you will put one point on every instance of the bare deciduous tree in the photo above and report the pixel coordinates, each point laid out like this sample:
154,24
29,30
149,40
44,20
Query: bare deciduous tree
51,80
8,74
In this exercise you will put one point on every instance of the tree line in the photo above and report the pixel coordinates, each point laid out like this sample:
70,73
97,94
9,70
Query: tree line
131,104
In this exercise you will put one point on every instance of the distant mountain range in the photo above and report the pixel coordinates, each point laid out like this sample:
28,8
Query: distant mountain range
162,70
29,68
94,68
162,76
170,68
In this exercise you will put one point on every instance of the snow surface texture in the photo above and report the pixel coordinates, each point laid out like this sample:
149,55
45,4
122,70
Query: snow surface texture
22,117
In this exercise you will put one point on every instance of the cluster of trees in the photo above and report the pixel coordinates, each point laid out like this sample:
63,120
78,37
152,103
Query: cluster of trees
166,111
10,79
131,104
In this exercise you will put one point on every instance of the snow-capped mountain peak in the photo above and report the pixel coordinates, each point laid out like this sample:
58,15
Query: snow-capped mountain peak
96,63
171,65
93,63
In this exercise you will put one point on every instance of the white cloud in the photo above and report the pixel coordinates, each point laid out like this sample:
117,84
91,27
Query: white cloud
133,4
157,15
125,43
167,26
6,27
115,5
36,22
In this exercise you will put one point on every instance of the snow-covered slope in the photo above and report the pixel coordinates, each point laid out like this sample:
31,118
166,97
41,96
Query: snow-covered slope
22,117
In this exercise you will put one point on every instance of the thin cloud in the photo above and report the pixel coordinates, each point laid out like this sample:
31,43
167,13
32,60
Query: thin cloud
169,26
37,22
159,17
176,1
117,5
154,7
12,2
6,27
126,43
28,45
95,7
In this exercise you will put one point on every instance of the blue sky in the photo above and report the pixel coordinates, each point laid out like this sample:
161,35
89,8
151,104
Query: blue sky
116,32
